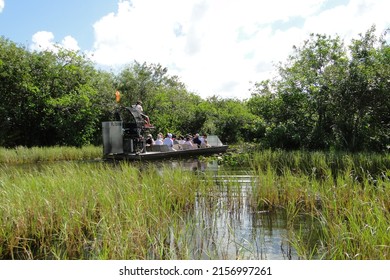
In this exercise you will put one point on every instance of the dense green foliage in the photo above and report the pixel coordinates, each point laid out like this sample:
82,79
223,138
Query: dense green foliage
327,96
49,98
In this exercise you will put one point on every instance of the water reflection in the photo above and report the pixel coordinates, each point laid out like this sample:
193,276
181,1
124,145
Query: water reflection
224,224
233,229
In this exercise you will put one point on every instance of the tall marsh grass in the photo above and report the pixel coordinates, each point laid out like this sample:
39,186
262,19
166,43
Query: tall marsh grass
22,154
347,195
82,211
73,210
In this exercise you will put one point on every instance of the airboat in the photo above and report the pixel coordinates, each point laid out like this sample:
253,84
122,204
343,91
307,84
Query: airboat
124,138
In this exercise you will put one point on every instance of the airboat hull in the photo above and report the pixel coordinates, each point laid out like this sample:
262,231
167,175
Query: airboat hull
157,155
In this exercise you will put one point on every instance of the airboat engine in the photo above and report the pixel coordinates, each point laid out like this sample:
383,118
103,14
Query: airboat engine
125,133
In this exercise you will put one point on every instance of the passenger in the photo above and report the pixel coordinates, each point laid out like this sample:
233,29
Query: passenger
168,141
204,143
159,140
175,140
138,106
196,140
181,140
149,140
189,143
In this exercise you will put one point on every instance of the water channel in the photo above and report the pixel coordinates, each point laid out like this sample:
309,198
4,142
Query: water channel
224,224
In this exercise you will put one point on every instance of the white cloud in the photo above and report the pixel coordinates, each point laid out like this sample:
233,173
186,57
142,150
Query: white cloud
219,46
70,43
140,32
44,40
1,5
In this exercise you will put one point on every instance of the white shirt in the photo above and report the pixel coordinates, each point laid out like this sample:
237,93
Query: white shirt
168,141
139,107
158,141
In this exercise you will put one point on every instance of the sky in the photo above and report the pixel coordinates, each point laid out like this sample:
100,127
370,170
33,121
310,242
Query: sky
215,47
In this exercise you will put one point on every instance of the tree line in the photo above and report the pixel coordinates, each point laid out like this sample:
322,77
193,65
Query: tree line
326,96
329,96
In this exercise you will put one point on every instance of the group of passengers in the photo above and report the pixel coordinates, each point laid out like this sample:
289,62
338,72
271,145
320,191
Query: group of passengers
192,142
174,143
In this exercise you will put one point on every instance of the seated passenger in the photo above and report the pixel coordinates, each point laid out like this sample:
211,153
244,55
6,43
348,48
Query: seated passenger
138,106
168,141
189,143
181,140
203,140
175,140
196,140
149,140
159,140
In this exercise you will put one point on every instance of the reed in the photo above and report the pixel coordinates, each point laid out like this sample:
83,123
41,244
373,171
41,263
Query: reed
20,155
317,164
79,211
347,195
73,210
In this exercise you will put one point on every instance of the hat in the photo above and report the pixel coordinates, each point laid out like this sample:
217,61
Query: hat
169,135
150,135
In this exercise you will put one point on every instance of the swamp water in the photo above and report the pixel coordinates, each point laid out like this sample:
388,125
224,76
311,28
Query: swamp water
222,224
225,225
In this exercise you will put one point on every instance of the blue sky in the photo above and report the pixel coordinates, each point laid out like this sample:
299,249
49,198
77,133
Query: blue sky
20,19
216,47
